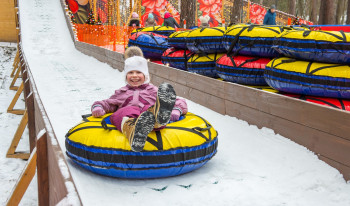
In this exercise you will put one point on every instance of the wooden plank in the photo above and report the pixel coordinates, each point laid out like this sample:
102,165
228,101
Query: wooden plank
12,85
317,141
31,121
15,65
39,122
181,90
178,76
345,170
43,171
158,70
310,114
210,101
14,101
58,188
17,137
23,182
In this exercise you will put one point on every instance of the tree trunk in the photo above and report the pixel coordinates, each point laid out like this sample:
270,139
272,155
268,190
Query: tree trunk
323,11
188,13
313,13
291,5
348,14
236,11
340,12
330,12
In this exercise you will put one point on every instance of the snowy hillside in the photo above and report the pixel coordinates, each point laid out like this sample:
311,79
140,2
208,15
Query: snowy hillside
252,167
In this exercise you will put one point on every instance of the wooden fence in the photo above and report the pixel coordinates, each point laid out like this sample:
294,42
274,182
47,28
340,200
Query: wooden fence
55,184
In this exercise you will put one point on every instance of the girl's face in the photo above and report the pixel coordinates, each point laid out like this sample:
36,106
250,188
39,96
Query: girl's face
135,78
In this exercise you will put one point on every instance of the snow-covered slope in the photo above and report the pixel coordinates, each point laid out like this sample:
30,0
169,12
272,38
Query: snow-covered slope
253,166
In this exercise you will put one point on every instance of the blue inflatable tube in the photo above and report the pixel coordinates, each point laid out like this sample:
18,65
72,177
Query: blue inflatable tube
152,45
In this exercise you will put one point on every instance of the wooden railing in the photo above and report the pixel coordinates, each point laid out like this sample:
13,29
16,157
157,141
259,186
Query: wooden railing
45,156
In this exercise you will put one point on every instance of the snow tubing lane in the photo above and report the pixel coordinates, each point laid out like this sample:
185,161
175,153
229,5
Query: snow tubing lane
176,58
320,46
162,30
178,39
179,148
242,69
152,45
206,40
308,78
203,64
251,40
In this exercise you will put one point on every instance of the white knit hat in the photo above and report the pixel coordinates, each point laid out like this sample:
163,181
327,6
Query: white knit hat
137,63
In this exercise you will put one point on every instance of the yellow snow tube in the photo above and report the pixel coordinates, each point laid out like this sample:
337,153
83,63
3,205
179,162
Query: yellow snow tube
178,39
176,134
308,78
252,40
320,46
206,40
179,148
203,64
163,30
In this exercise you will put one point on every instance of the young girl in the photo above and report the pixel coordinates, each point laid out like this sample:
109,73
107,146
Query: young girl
139,107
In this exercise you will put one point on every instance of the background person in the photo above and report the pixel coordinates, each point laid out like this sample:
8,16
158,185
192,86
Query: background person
170,21
270,16
150,21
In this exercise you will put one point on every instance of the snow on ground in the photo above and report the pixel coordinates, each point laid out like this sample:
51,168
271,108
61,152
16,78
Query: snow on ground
11,169
253,166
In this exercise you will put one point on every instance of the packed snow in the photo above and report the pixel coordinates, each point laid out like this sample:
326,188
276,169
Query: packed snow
252,167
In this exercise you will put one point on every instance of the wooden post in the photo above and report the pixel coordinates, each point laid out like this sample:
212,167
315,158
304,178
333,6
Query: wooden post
12,87
15,64
43,170
14,101
31,121
24,181
11,152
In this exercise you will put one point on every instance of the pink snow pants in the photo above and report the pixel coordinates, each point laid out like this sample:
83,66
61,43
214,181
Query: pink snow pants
128,111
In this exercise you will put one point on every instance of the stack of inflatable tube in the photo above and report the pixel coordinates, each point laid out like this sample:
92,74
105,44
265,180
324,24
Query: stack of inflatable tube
152,45
176,58
162,30
203,64
179,148
331,102
251,40
308,78
242,69
178,39
206,40
320,46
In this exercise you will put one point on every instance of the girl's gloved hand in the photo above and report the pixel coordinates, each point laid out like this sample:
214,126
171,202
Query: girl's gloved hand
98,112
175,115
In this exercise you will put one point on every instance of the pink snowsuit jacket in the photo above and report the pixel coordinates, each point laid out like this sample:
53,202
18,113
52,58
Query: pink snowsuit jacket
143,97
